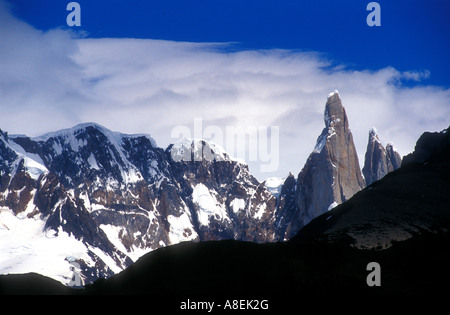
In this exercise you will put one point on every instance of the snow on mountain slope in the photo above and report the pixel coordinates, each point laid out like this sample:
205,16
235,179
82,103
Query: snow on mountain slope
102,199
208,205
274,185
33,164
94,192
26,246
181,228
89,145
226,199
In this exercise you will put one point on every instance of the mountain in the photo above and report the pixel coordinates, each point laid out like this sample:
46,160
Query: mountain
378,160
102,199
226,201
409,202
96,200
401,222
331,174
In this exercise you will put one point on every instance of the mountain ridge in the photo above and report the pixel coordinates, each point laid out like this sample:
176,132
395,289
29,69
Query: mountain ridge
121,196
324,260
117,196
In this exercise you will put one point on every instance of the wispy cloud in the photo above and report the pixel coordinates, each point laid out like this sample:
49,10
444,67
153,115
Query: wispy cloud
416,75
54,79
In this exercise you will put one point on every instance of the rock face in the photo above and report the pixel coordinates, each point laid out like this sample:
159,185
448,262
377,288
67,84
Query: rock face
118,196
286,208
226,201
410,202
331,174
379,160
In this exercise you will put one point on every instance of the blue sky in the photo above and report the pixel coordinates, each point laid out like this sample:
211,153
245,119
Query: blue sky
147,66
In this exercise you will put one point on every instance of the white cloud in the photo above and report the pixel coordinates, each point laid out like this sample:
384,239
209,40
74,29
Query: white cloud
53,80
416,75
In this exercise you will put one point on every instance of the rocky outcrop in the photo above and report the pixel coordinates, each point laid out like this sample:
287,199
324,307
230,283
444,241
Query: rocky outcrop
226,201
412,202
331,174
393,156
378,160
286,212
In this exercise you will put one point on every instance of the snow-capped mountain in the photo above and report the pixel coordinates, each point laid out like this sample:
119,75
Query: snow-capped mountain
96,200
105,198
226,201
401,222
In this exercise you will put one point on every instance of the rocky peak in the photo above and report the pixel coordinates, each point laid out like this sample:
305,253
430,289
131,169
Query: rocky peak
331,174
335,116
336,123
378,160
411,203
393,156
373,134
226,201
339,152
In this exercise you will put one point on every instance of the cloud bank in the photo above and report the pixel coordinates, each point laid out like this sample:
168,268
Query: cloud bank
56,79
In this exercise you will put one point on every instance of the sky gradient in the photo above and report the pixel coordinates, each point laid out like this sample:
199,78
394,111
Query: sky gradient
147,66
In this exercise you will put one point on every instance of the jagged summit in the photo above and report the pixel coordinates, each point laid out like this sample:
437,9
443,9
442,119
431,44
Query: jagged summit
331,174
373,133
335,119
196,149
335,115
411,202
334,93
113,136
75,130
379,160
